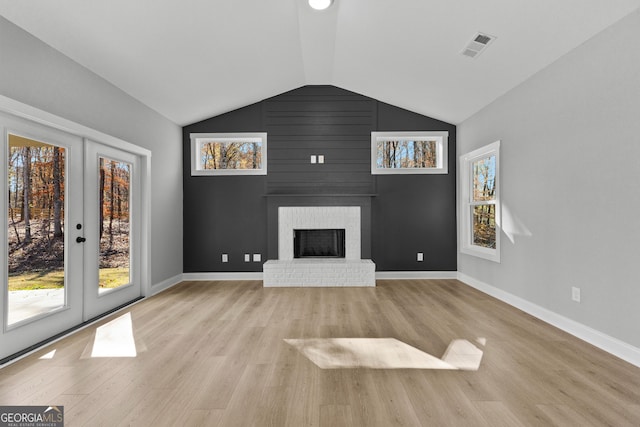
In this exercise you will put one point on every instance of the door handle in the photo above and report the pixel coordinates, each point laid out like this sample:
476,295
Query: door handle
80,239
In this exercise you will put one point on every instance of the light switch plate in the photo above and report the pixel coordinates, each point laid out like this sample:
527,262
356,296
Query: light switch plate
225,257
420,256
321,158
247,257
575,294
257,257
313,158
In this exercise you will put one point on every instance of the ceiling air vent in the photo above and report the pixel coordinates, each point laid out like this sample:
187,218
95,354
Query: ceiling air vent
477,44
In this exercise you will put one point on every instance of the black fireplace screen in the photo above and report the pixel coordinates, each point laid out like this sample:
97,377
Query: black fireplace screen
325,243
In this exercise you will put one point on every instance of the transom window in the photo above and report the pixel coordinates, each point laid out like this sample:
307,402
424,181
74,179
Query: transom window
480,204
409,152
228,154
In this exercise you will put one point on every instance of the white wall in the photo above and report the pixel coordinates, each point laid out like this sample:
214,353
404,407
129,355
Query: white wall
570,159
35,74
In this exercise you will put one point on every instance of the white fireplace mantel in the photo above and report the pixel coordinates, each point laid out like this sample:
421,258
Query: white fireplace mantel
319,217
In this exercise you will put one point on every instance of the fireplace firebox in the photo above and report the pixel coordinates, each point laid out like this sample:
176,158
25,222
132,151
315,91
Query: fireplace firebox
319,243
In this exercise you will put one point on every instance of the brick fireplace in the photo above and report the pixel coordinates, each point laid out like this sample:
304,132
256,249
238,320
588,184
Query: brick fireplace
348,271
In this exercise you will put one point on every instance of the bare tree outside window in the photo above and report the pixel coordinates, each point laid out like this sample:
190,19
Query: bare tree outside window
407,154
484,211
231,155
115,220
228,154
36,202
420,152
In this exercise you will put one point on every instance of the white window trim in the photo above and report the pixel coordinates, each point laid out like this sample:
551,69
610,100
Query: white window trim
442,138
197,139
466,239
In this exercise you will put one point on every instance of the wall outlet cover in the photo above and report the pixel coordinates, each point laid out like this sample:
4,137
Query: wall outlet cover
247,257
575,294
420,256
257,257
225,258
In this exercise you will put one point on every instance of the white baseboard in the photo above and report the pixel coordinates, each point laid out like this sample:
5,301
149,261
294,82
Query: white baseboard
223,276
604,342
400,275
172,281
166,284
390,275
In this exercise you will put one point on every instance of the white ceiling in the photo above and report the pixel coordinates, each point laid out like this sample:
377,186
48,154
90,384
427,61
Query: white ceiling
193,59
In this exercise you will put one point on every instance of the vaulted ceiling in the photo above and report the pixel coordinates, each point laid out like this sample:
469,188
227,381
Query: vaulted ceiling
193,59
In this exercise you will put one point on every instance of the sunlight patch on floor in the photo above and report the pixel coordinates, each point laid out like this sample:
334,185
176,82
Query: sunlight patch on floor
113,339
463,355
385,353
49,355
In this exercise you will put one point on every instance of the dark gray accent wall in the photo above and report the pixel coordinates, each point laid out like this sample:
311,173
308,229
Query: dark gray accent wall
319,120
223,214
402,214
415,213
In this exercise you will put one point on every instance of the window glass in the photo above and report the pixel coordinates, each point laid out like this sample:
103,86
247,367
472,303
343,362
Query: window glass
407,154
484,179
484,226
419,152
229,154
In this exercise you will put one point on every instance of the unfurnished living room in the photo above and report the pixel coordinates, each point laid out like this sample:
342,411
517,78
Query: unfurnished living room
320,213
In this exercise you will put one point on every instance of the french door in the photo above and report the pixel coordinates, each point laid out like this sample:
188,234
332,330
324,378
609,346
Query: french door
112,229
71,211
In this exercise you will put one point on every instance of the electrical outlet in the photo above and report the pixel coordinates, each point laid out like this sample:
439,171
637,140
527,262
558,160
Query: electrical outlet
225,257
420,257
321,158
257,257
247,257
575,294
313,158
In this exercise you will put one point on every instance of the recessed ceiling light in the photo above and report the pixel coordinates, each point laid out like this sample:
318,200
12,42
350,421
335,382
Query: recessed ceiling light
320,4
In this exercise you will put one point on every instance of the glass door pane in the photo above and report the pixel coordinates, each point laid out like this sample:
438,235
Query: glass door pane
115,224
35,230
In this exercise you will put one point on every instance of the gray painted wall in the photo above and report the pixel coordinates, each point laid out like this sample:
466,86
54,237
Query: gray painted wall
35,74
570,157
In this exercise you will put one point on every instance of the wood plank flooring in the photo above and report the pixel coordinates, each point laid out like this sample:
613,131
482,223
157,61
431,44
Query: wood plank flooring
213,354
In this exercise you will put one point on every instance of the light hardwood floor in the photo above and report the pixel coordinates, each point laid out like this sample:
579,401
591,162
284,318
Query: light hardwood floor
213,353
